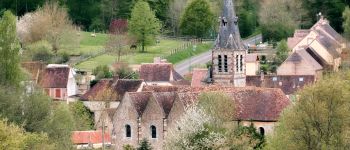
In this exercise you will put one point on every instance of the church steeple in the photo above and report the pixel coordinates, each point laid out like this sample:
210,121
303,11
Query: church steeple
229,36
229,53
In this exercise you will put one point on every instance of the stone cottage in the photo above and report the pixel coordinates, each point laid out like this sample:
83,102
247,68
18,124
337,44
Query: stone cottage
104,97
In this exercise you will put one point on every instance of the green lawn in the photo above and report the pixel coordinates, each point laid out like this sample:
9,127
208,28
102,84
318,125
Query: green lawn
178,57
88,45
93,45
163,49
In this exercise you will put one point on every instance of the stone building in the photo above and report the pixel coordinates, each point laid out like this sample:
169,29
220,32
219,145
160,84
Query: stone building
321,42
150,114
229,53
104,97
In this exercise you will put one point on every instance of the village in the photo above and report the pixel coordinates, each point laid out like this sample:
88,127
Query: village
211,91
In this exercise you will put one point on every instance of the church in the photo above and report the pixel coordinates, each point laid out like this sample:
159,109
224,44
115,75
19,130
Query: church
150,112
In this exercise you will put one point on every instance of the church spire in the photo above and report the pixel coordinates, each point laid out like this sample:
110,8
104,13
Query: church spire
229,36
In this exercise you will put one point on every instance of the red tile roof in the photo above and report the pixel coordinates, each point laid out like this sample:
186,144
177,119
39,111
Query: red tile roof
140,100
165,100
89,137
159,72
118,88
55,77
198,77
252,103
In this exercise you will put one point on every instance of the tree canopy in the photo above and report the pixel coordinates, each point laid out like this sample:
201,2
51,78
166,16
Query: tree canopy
143,24
197,19
9,51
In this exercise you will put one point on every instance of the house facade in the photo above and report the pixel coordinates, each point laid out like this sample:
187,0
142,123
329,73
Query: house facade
58,82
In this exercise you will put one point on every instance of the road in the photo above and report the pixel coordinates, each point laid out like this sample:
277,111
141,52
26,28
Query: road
184,66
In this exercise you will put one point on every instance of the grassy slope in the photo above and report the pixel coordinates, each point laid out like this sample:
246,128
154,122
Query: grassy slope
88,44
160,50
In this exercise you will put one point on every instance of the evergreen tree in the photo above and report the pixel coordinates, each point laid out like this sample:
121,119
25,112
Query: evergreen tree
20,7
143,25
9,51
124,8
144,145
346,23
161,8
197,19
84,12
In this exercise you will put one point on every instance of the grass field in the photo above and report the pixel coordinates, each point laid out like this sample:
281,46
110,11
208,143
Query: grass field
88,45
93,45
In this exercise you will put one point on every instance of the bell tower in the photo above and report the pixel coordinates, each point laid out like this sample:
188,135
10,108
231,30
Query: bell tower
228,56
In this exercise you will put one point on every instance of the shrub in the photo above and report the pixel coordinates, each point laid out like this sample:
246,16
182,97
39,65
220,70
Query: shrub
40,51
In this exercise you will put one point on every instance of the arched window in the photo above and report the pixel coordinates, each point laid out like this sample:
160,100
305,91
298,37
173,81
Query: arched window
262,131
127,130
153,132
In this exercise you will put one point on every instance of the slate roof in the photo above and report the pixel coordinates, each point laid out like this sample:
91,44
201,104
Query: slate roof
326,27
87,137
288,84
140,100
311,61
165,100
159,72
55,77
119,87
330,45
229,36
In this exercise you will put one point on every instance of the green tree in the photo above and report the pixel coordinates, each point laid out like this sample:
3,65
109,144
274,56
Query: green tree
144,145
248,17
21,7
143,25
83,12
161,9
102,71
197,19
36,111
276,20
11,136
82,117
218,105
124,8
10,72
59,127
346,23
331,9
319,119
281,52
